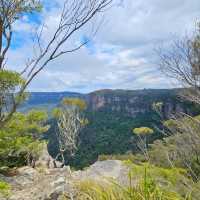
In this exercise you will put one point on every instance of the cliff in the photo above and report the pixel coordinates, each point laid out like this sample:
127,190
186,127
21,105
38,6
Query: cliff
129,102
134,103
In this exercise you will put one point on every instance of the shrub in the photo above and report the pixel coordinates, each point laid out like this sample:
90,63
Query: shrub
4,189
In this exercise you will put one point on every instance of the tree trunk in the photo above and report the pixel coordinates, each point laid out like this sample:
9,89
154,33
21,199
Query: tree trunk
1,43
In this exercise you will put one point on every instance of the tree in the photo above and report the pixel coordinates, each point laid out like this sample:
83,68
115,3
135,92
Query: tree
142,134
74,15
70,121
182,62
10,12
181,148
9,81
20,139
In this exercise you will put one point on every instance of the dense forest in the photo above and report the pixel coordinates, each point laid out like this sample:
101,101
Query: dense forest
112,124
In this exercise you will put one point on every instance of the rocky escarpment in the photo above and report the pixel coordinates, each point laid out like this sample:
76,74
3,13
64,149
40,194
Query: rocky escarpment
136,102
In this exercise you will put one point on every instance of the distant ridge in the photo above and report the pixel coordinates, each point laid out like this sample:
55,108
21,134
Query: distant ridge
49,97
46,100
49,100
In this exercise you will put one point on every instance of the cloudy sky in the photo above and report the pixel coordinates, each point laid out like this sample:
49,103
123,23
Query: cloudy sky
121,55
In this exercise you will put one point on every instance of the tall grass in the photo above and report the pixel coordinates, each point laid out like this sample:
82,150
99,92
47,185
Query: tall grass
145,189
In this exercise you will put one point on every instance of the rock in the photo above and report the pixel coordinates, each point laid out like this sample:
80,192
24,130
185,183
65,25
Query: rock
103,170
25,176
58,182
27,171
67,169
46,161
33,184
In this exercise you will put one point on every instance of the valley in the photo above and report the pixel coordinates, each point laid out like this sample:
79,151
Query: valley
112,115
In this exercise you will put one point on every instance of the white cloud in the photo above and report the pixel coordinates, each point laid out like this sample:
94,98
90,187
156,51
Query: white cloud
122,53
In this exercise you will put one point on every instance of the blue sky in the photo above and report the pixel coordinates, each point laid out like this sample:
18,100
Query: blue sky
121,55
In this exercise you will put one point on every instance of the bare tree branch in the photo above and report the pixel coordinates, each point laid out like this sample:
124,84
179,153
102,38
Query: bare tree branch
75,14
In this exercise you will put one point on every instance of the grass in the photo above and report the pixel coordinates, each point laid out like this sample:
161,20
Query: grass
143,185
146,190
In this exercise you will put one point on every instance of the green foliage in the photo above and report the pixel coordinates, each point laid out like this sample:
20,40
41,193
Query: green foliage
181,148
70,103
177,125
4,189
145,183
143,131
172,177
97,191
19,7
103,135
171,124
153,180
9,80
20,138
57,112
74,102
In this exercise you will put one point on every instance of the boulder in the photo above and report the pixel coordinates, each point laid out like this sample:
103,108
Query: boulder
46,161
103,171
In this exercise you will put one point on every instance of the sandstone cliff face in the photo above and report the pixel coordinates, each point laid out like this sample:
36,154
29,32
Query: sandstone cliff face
128,102
134,103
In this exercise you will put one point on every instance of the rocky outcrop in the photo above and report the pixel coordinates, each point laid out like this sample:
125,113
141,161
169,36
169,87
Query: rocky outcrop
51,184
39,184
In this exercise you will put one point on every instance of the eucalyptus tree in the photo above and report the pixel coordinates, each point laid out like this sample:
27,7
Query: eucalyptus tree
70,121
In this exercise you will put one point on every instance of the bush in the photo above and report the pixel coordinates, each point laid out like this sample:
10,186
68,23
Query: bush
181,148
173,180
4,189
20,139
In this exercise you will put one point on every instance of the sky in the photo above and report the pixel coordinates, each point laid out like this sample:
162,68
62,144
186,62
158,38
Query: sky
122,53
